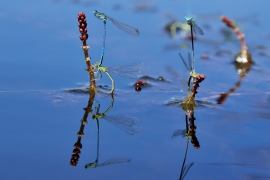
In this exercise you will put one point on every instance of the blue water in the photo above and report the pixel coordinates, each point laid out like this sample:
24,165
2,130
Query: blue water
40,58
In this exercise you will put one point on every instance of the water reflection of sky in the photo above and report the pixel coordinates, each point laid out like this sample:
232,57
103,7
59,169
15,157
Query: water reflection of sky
40,55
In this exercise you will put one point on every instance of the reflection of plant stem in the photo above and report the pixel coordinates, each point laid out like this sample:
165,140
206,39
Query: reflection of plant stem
184,162
192,132
189,134
241,36
77,146
224,96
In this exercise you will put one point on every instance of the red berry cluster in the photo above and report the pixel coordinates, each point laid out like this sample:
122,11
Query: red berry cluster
198,80
138,85
192,132
76,154
82,26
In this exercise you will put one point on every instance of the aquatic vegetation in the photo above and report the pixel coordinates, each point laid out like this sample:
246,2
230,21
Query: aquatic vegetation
242,60
173,27
83,37
139,84
236,30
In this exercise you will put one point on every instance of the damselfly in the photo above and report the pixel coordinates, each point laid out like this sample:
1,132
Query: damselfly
196,29
131,71
124,27
189,65
190,68
193,26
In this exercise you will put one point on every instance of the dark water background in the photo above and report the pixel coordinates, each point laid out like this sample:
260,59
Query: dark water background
40,58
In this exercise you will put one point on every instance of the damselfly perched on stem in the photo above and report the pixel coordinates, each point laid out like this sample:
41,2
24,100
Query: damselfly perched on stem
124,27
130,70
190,68
194,28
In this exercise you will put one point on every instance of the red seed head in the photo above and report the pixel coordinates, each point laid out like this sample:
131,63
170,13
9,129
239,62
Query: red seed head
227,21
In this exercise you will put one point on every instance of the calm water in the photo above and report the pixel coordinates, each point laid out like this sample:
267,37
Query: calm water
41,58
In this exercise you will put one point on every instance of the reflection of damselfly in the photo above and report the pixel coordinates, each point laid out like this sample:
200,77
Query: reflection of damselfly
110,161
131,71
122,26
126,123
184,133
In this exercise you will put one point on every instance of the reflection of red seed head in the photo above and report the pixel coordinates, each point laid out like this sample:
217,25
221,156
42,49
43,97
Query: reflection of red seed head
138,88
78,145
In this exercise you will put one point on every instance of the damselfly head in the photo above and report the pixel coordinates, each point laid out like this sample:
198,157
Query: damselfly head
96,65
189,20
100,15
